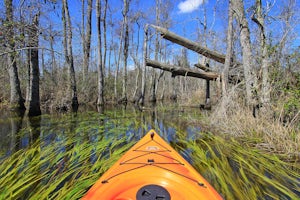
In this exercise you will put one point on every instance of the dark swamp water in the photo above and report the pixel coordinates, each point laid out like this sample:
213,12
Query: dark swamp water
59,156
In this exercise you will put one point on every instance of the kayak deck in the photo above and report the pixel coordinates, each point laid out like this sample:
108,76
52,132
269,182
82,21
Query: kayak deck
152,169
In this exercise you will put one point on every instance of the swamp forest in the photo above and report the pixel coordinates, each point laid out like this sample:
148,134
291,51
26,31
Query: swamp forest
81,81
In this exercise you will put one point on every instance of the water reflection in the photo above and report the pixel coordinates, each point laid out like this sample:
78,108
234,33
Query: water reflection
11,124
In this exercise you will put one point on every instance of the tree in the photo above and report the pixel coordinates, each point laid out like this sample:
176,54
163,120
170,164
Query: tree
100,100
125,49
145,55
156,52
16,99
69,54
34,76
259,20
249,72
104,21
52,35
137,93
86,36
229,50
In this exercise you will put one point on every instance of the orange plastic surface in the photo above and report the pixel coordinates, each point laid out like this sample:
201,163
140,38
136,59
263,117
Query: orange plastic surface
151,161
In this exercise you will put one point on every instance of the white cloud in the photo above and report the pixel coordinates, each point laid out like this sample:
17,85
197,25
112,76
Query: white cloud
188,6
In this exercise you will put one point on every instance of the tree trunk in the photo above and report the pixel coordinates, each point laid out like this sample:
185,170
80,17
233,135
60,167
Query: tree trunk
229,50
100,100
125,50
86,37
53,62
117,63
136,95
34,95
249,72
16,99
145,54
156,51
69,55
104,38
259,20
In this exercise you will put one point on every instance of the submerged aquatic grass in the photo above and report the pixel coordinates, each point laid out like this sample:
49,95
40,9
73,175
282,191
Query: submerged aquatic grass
50,172
71,152
240,172
65,162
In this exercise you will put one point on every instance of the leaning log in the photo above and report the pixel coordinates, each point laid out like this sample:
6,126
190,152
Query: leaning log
168,35
180,71
204,68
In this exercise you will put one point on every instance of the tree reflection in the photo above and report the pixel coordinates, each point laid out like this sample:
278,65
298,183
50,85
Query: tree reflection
16,119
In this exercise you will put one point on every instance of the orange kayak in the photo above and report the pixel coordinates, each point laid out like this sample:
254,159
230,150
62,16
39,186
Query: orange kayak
151,170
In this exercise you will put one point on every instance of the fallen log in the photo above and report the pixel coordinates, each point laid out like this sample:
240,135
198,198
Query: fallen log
194,46
179,71
204,68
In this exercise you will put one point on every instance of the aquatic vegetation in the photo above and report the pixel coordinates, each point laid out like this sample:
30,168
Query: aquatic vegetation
71,152
241,172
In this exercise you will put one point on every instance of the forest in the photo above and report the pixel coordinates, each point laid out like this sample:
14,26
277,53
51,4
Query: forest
81,81
57,55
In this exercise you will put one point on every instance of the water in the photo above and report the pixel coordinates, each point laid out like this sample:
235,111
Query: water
63,150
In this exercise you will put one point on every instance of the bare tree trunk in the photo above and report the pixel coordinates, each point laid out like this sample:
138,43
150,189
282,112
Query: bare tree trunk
54,65
100,100
162,96
156,51
34,95
69,55
28,62
117,63
259,20
86,37
229,50
104,37
109,61
204,60
44,70
136,95
249,72
16,99
125,50
145,54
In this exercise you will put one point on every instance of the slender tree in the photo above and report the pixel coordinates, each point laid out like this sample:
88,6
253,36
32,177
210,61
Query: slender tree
145,55
52,37
16,99
137,94
125,49
100,100
104,21
86,36
229,49
69,54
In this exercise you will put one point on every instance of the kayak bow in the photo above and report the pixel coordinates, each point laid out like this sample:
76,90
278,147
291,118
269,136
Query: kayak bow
151,170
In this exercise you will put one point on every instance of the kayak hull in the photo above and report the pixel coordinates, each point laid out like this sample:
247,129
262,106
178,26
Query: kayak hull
151,169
